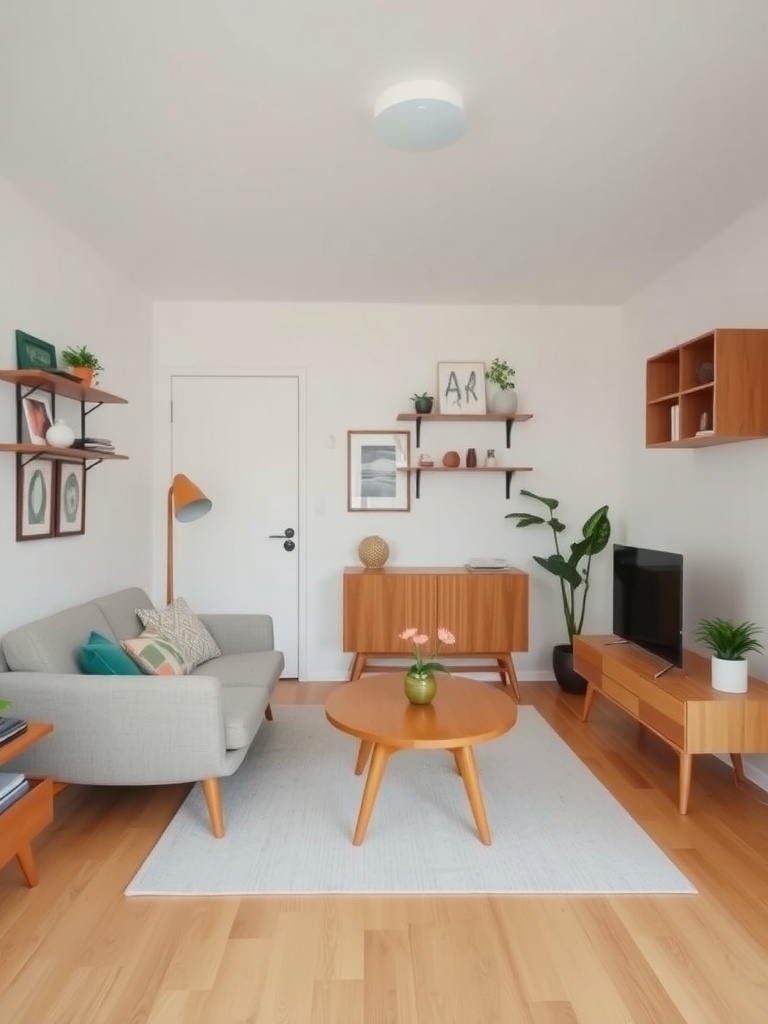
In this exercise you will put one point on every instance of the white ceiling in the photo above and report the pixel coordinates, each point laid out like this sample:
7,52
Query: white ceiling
224,148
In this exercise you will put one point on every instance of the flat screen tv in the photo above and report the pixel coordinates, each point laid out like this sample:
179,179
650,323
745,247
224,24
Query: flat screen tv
648,601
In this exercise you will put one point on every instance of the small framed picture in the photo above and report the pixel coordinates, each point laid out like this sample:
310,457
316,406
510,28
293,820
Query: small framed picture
35,498
37,413
375,478
70,498
34,354
461,388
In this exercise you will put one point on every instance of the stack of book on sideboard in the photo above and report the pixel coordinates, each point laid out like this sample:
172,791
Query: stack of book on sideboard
13,786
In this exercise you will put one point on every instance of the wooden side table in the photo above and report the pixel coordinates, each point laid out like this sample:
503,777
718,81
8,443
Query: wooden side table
22,821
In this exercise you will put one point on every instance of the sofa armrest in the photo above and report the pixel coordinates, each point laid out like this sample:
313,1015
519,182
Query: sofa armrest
241,633
121,730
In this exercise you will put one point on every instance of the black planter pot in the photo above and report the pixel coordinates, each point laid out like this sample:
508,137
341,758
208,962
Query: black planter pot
423,405
562,664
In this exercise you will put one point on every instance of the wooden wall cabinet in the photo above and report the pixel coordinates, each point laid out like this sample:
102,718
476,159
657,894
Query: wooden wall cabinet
718,383
487,612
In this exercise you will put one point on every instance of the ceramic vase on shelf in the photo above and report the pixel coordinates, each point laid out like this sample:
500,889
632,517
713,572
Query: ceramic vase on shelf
471,458
502,401
420,687
60,435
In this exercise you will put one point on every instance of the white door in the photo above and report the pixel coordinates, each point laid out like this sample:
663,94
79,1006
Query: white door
237,438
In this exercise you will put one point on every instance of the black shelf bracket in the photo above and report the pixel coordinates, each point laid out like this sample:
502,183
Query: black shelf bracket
509,434
418,475
509,474
418,445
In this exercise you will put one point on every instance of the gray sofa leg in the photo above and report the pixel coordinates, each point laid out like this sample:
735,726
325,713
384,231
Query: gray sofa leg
268,713
212,792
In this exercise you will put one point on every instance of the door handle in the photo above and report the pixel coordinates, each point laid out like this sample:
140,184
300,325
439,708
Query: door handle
290,532
288,545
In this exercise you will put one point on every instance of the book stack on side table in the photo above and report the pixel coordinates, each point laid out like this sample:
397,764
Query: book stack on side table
13,785
30,806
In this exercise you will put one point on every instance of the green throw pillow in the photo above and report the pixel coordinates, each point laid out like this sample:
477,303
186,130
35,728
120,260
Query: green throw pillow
100,656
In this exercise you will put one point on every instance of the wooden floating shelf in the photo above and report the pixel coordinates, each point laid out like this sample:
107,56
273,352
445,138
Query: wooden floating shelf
56,385
76,454
464,469
470,418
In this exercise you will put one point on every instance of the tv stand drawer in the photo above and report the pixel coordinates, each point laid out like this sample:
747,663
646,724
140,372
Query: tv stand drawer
646,690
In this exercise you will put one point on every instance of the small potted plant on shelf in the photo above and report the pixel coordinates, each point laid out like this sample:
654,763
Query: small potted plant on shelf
730,642
502,397
573,577
422,403
82,363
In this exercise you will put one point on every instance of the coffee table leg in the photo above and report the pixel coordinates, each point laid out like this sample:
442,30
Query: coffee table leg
466,762
362,756
375,775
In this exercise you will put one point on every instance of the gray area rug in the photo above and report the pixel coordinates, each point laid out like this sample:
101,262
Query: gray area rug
291,807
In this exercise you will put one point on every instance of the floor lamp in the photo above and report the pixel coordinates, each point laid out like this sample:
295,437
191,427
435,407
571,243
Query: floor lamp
186,502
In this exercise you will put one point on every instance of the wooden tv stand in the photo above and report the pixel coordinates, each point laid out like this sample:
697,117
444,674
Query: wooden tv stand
680,707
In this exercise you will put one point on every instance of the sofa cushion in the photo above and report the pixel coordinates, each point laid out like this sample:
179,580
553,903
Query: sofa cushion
52,644
100,656
119,609
179,624
262,668
244,708
156,656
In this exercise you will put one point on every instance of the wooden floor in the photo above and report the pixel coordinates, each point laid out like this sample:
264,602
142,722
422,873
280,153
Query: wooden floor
76,951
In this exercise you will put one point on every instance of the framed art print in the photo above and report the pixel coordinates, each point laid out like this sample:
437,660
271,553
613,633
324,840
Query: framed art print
37,415
375,478
461,389
35,499
70,498
34,354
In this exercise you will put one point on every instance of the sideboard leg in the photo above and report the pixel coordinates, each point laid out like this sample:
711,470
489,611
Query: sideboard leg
505,662
358,666
686,766
738,767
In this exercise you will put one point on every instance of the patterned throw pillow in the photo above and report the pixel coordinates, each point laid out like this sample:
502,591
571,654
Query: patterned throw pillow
156,656
179,624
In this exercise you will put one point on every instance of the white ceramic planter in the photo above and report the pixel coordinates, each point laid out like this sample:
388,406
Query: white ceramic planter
60,435
730,676
502,401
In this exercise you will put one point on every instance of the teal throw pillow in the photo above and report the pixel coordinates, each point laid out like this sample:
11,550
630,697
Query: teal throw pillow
100,656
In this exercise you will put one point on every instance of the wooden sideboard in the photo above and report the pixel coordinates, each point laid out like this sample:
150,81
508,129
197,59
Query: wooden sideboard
680,707
486,611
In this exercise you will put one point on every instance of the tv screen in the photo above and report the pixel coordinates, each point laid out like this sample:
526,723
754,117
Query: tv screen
648,600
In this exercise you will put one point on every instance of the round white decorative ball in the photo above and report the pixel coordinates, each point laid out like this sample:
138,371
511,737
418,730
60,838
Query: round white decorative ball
60,435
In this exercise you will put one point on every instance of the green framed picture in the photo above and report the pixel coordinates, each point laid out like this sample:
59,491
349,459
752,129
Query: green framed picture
34,354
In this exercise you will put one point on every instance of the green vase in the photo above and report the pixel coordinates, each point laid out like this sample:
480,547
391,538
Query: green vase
420,688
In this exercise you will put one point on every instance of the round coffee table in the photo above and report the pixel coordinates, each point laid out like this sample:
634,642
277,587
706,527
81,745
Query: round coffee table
376,711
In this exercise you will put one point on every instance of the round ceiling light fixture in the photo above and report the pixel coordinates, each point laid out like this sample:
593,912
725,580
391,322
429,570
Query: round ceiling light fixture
419,115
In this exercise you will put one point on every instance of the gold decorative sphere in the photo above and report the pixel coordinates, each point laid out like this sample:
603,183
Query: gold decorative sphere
373,552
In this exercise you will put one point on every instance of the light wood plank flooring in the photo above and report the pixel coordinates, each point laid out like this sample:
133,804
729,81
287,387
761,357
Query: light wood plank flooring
76,951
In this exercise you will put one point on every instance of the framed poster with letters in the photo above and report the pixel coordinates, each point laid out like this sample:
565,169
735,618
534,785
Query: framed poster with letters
461,389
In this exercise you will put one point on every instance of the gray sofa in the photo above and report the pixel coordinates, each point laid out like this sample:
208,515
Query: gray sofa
139,730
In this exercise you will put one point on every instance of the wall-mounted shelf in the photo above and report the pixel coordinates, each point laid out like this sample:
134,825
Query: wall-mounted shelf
474,417
508,470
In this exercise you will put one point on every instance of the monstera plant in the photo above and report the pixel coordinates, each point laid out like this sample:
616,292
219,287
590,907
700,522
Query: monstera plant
572,571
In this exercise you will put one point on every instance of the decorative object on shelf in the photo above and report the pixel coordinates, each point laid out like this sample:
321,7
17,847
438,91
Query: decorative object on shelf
595,534
373,460
186,502
422,403
490,458
451,460
420,683
83,363
373,552
70,498
730,642
705,372
460,388
60,435
502,397
426,460
34,500
34,354
37,414
471,461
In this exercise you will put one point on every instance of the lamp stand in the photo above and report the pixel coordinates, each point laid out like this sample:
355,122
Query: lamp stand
169,550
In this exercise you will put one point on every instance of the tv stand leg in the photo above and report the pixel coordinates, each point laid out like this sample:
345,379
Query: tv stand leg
738,767
686,766
589,697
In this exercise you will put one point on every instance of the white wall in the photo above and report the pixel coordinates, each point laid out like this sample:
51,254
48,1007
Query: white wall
361,364
54,287
708,503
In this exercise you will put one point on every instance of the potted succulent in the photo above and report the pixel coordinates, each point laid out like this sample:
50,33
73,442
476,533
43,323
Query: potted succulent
573,577
730,642
82,363
502,397
422,403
